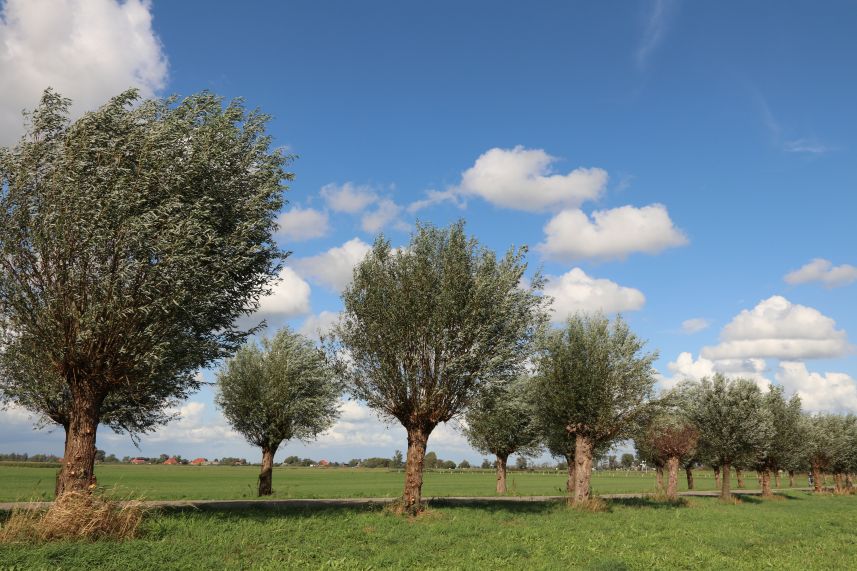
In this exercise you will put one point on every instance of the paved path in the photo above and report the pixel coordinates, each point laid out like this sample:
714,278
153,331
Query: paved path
358,502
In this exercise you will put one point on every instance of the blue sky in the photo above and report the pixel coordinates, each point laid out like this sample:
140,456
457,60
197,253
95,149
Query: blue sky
674,161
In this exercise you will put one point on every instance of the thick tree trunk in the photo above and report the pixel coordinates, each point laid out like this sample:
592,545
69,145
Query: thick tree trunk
725,487
501,473
849,481
582,469
739,475
837,483
412,495
765,479
78,469
689,474
778,482
817,482
791,478
672,482
569,484
717,476
267,474
659,478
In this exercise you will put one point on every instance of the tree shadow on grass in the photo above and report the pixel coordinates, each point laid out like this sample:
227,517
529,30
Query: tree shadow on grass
649,503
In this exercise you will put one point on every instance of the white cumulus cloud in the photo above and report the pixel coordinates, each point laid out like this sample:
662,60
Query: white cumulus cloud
384,213
823,271
685,367
575,291
778,328
194,426
319,324
522,179
300,224
695,325
830,392
610,234
88,50
289,297
349,197
335,267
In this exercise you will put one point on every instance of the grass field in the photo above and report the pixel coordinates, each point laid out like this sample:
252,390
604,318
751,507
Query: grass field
227,482
800,532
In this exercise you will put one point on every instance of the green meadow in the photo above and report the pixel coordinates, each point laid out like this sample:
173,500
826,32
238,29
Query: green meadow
157,482
794,531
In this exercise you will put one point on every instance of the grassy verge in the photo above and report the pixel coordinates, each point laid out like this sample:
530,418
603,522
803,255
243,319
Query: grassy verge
802,532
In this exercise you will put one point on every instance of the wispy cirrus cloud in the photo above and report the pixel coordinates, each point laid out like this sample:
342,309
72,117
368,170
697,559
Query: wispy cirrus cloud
658,19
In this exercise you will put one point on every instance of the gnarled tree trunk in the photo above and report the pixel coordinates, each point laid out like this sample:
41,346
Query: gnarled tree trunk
837,483
778,482
725,487
501,473
267,473
582,469
739,475
765,479
717,476
817,483
569,484
412,495
78,469
791,478
688,472
672,482
849,481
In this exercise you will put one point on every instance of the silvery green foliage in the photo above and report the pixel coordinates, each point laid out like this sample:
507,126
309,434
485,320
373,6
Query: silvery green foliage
832,442
428,327
130,242
786,439
502,421
734,424
282,390
593,379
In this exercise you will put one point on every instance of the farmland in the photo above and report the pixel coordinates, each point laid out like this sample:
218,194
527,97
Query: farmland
236,482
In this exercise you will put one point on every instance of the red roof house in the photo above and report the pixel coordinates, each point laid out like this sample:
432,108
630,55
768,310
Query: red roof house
138,460
171,461
199,461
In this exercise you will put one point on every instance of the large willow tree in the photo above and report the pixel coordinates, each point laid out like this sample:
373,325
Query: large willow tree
130,242
428,327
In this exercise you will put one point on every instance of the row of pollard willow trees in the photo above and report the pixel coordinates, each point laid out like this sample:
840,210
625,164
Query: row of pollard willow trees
443,328
133,239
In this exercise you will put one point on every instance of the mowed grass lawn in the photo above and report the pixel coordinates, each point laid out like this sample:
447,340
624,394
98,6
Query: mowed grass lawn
800,531
228,482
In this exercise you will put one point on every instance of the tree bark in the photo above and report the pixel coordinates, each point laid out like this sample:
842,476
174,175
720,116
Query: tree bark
791,478
816,477
569,484
659,478
582,469
78,469
778,482
412,495
672,482
717,476
501,473
837,483
725,486
739,475
267,473
765,478
849,481
689,474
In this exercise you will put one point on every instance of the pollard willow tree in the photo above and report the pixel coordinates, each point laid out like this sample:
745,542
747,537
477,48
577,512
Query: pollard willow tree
501,422
282,390
785,438
427,328
669,439
733,422
131,240
593,381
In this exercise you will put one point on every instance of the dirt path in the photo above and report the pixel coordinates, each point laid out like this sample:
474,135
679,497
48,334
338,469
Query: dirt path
349,502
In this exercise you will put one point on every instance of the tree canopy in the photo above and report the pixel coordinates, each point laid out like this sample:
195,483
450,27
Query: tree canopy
131,240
